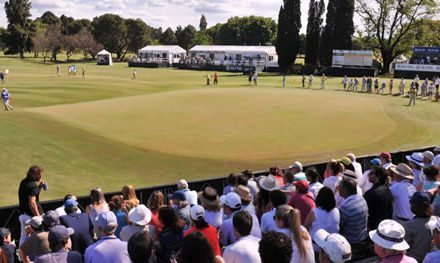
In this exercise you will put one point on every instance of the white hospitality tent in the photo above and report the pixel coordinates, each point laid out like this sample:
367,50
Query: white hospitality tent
104,58
224,54
161,53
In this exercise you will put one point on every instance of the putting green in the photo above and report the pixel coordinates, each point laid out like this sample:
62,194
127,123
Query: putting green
233,124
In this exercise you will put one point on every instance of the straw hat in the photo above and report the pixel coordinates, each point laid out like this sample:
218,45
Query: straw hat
403,170
243,192
269,183
209,196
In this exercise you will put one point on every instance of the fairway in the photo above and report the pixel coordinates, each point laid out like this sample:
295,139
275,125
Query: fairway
107,130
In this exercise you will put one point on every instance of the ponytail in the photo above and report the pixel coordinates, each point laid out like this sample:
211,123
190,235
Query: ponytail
292,220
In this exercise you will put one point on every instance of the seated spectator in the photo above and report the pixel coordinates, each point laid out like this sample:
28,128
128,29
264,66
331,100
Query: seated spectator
353,212
268,224
60,210
97,206
315,185
200,225
275,247
267,184
129,198
277,173
179,203
140,248
7,245
191,196
415,161
334,247
38,243
389,242
80,223
418,234
325,215
428,156
251,182
59,242
335,170
434,257
288,220
245,249
385,160
364,183
139,218
246,200
303,200
213,208
232,182
379,198
155,201
402,191
431,178
108,248
115,206
171,237
297,171
195,249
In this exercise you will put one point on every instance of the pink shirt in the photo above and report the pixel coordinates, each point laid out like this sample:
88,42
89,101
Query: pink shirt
304,203
399,258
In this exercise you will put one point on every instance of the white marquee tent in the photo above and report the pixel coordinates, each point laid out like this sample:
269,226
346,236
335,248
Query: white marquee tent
104,58
161,54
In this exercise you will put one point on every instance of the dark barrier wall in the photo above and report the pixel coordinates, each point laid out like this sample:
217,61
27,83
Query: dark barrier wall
9,215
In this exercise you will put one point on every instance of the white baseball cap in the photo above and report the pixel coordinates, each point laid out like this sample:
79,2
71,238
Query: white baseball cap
334,245
231,200
390,235
197,211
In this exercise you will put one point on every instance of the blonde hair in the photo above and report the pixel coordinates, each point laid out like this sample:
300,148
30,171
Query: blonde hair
291,219
129,197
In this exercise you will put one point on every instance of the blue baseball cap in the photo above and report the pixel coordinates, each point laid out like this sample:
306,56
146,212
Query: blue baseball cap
375,161
71,203
59,233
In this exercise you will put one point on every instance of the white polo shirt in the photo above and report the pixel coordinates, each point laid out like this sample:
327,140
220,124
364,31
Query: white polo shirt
244,250
267,222
332,181
227,230
402,192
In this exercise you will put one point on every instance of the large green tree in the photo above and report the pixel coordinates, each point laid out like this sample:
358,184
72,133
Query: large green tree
289,24
314,27
138,34
203,23
20,28
186,38
49,18
250,30
111,31
168,37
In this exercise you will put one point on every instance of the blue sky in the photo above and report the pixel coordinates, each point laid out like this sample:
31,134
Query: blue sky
165,13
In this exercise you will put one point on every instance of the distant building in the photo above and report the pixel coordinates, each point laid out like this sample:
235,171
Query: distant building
158,55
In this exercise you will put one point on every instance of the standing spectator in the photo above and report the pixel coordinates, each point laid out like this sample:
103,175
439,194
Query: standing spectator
140,248
129,198
253,186
379,198
195,249
344,82
418,234
215,78
232,181
200,225
179,203
284,81
288,219
402,87
303,81
415,161
139,218
7,245
213,208
335,169
376,86
313,177
250,77
275,247
369,85
208,79
385,160
402,191
245,249
323,79
364,83
334,247
431,181
357,166
364,183
354,213
277,173
297,170
383,86
191,196
391,84
437,85
434,256
171,237
108,248
255,78
268,224
267,184
97,206
59,242
246,200
133,77
61,210
155,201
29,197
303,200
389,242
310,81
37,243
412,95
80,223
428,156
115,206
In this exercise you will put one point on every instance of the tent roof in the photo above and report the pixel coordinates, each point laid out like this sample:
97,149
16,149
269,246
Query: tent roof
103,52
163,48
238,49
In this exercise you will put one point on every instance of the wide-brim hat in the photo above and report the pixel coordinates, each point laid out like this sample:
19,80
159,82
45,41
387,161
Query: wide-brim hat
269,183
209,196
390,235
140,215
403,170
243,192
416,158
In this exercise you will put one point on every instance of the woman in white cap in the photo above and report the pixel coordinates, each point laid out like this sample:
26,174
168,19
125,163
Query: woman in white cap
389,242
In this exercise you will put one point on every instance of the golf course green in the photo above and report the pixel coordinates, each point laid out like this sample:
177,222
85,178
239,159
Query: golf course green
107,130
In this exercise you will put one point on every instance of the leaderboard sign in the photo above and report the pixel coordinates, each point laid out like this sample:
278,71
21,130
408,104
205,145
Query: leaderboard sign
427,50
418,67
352,58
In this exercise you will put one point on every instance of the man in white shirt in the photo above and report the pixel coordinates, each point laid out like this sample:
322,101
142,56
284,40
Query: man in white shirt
364,183
402,191
60,210
268,224
245,249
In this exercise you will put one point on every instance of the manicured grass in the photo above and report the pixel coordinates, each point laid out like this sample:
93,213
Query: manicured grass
107,130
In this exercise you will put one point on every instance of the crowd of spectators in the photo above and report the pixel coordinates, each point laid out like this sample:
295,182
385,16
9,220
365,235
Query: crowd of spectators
388,213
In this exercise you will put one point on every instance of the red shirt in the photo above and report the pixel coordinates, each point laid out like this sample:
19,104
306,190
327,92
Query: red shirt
211,234
155,221
304,203
280,180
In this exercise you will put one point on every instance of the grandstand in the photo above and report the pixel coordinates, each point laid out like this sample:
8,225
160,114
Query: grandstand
424,61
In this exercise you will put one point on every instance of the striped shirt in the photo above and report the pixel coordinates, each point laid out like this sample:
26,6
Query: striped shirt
353,221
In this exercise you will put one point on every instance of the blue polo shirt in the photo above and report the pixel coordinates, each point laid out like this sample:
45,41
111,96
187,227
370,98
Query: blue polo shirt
108,249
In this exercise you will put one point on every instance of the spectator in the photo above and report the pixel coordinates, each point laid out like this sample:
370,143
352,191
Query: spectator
108,248
139,218
140,248
288,220
268,224
129,198
297,170
38,243
418,234
436,149
172,234
245,249
267,184
303,200
357,166
251,182
155,201
415,161
288,188
353,212
428,156
59,242
50,219
61,210
97,206
389,242
364,183
115,206
191,196
80,223
277,173
275,247
232,182
325,215
7,245
385,160
379,198
434,256
200,225
431,181
29,197
179,203
402,191
246,200
335,169
313,177
213,208
334,247
195,249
